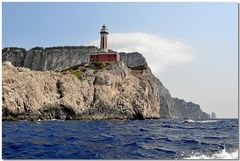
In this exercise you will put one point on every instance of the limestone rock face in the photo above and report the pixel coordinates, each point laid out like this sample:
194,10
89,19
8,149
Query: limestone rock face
178,108
125,90
115,93
134,59
60,58
188,110
57,58
15,55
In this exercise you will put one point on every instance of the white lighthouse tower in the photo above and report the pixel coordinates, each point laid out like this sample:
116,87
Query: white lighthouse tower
103,42
104,55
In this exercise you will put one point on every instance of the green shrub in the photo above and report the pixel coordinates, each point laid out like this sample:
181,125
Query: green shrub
77,73
75,67
98,65
76,70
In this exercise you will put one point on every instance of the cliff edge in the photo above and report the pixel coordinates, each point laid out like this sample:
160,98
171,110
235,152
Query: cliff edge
61,57
120,90
96,91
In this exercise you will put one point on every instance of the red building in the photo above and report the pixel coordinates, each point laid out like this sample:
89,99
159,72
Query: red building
104,55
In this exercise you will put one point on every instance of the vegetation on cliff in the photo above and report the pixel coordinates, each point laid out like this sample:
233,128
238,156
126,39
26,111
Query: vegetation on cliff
78,70
115,90
111,93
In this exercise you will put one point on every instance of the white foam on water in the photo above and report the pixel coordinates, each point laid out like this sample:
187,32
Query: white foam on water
39,121
207,121
204,121
189,121
221,155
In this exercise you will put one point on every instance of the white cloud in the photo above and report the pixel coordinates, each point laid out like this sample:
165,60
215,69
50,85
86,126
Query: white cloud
160,53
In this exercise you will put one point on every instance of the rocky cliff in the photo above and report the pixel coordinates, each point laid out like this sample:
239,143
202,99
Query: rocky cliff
60,58
188,110
123,90
88,92
178,108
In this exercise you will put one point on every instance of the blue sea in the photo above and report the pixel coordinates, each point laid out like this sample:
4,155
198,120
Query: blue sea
112,139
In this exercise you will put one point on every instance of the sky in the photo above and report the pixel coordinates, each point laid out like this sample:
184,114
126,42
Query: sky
191,47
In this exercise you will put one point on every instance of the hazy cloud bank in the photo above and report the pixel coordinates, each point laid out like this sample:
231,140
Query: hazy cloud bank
160,53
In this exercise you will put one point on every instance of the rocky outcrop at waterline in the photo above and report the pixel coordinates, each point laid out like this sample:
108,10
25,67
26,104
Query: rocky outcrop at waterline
91,91
109,92
37,89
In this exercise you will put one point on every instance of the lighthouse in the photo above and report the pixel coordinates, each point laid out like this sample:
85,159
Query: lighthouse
104,55
103,42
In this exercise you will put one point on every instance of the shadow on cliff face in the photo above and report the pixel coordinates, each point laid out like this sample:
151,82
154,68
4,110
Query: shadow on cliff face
137,114
57,112
8,115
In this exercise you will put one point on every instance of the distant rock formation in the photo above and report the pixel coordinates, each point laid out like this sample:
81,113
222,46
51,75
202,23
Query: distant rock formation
120,90
188,110
213,115
178,108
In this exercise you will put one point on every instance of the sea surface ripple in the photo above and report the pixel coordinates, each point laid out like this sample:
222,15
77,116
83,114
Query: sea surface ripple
132,139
